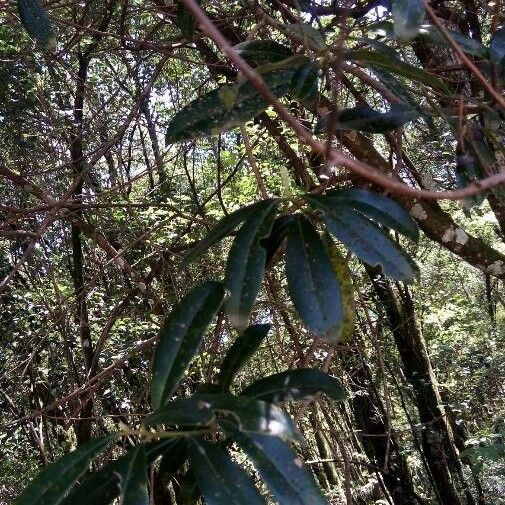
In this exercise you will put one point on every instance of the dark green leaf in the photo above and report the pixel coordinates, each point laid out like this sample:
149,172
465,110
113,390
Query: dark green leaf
281,468
377,207
241,352
311,282
249,415
497,47
132,474
102,486
37,23
246,264
171,462
262,52
54,482
307,35
408,16
467,44
300,384
220,479
279,232
225,226
370,243
185,21
366,119
304,86
180,337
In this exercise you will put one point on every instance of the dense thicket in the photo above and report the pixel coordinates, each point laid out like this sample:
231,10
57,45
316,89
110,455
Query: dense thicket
252,252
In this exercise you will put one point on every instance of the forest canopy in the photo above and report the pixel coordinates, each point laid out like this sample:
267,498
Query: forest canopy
252,252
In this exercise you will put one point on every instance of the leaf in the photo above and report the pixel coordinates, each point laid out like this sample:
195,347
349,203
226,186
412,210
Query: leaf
281,468
370,244
241,352
467,44
102,486
380,208
248,415
299,384
220,479
212,113
279,232
171,462
366,119
408,16
497,47
53,483
180,337
312,284
37,23
132,473
308,35
304,86
223,228
262,52
246,264
396,66
185,21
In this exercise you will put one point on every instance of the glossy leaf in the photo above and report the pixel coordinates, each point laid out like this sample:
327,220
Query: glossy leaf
132,473
54,482
262,52
365,239
378,207
282,469
223,228
366,119
37,23
299,384
241,352
408,16
102,486
180,338
246,264
249,415
312,284
220,479
497,47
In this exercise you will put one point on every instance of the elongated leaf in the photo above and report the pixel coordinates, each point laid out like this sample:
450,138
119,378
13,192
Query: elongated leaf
366,119
185,21
226,107
370,244
282,469
300,384
246,264
279,232
304,86
467,44
132,474
262,52
249,415
37,23
225,226
307,34
241,352
180,337
396,66
497,47
54,482
311,282
377,207
408,16
171,462
220,479
102,486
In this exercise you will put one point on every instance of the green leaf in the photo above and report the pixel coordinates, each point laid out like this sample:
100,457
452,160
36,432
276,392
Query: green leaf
246,264
220,479
262,52
304,86
223,228
380,208
37,23
396,66
279,232
370,244
282,469
248,415
132,474
467,44
241,352
497,47
299,384
308,35
366,119
171,462
215,112
54,482
185,21
408,16
102,486
180,337
312,284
